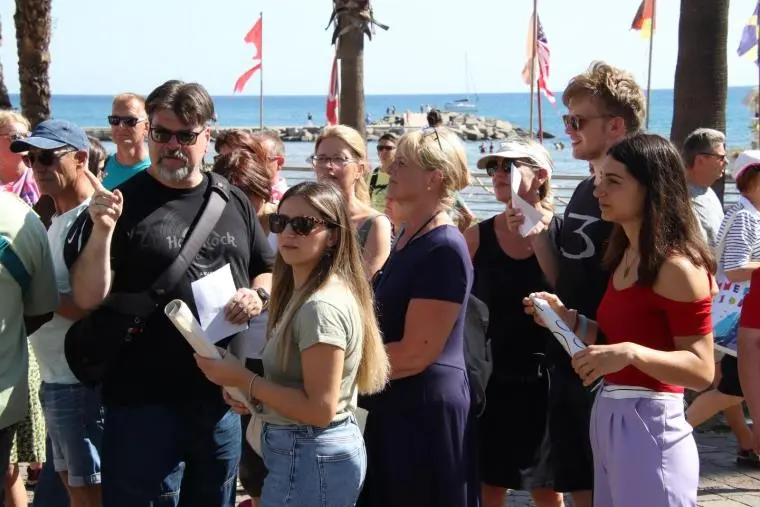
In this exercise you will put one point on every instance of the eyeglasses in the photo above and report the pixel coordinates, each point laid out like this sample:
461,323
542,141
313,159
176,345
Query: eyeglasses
577,123
127,121
300,225
184,137
507,165
45,157
429,131
16,136
385,148
321,161
722,158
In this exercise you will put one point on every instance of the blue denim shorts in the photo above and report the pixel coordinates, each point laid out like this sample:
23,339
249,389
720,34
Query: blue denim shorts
310,466
74,419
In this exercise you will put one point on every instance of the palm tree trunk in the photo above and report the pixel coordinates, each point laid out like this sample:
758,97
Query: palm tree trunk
33,29
351,54
701,80
5,100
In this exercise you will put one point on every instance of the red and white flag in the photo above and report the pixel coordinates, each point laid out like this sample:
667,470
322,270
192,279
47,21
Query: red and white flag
333,93
252,37
543,57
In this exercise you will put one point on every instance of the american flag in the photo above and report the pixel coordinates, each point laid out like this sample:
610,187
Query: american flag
543,57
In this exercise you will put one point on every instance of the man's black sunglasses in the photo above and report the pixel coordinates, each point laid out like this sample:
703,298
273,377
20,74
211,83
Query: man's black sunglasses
184,137
127,121
385,148
300,225
45,157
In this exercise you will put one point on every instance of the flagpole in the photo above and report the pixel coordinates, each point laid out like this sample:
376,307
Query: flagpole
261,77
651,47
540,119
533,63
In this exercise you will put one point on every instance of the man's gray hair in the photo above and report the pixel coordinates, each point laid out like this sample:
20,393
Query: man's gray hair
274,136
701,141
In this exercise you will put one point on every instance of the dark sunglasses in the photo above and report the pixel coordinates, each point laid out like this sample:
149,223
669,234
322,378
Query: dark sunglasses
722,158
576,123
127,121
184,137
45,157
300,225
507,165
385,148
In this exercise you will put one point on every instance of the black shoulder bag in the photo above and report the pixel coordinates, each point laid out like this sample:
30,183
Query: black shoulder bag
92,343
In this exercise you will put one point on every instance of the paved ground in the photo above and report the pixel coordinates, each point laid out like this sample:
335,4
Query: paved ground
722,483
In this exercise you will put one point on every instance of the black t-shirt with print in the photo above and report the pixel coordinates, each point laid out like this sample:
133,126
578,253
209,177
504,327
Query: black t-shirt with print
582,280
158,366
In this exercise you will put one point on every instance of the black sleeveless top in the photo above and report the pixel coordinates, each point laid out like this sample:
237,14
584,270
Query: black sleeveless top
501,282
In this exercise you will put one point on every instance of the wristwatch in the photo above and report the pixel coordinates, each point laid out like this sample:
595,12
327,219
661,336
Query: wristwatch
264,296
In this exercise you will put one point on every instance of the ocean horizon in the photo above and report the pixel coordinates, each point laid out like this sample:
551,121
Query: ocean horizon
293,110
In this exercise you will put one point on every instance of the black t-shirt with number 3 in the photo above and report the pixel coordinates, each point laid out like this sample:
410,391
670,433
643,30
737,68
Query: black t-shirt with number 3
582,280
158,366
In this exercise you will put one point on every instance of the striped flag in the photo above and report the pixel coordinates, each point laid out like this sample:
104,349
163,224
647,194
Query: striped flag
543,56
333,93
643,21
748,42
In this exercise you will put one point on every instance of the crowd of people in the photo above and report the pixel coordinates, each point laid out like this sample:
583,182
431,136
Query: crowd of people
351,384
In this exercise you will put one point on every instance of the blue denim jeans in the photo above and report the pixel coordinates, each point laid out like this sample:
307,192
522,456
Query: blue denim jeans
169,455
313,467
74,419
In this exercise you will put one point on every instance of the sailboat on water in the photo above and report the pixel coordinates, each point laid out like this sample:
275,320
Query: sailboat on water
466,104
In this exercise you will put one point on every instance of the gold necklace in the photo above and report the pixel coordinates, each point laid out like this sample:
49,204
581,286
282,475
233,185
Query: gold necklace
627,265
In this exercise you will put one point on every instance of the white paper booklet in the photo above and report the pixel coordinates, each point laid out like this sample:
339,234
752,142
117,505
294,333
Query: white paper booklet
180,315
531,214
211,294
564,335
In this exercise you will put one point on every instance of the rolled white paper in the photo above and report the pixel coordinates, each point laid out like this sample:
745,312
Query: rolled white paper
183,319
564,335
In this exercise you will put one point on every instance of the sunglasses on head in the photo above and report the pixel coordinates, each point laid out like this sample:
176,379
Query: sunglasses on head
385,148
184,137
45,157
127,121
576,123
300,225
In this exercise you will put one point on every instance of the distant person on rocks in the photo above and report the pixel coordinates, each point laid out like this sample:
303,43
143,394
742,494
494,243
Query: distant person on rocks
275,149
704,155
169,438
605,104
15,176
129,128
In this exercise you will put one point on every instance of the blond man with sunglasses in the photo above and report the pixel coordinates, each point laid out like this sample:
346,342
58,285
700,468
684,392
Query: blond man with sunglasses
129,127
604,105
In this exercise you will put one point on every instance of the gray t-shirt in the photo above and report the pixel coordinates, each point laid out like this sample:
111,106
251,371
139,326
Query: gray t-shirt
330,315
709,211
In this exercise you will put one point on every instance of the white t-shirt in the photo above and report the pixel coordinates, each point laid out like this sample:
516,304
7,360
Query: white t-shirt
48,340
743,238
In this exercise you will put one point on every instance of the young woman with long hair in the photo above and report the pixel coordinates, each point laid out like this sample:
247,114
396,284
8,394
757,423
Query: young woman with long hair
656,320
323,348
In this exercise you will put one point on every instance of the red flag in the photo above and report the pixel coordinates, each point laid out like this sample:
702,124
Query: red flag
643,21
254,37
243,80
543,57
333,93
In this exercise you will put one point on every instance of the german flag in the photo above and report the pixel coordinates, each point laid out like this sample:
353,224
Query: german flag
644,19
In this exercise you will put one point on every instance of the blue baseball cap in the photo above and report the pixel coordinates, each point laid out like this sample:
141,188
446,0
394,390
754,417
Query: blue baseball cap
51,135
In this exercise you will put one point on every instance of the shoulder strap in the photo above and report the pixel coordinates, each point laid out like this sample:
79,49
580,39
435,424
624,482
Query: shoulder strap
373,181
11,261
218,195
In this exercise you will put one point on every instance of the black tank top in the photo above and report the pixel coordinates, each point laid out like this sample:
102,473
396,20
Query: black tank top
501,282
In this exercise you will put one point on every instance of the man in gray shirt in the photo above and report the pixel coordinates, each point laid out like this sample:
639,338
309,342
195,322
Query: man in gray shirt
704,154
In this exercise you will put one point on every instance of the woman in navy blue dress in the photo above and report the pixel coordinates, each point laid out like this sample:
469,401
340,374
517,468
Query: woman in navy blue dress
421,450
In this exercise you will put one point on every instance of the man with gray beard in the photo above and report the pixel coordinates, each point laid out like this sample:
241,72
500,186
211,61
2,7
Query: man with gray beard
169,438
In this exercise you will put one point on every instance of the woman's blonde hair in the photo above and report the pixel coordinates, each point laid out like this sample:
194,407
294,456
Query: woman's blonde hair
342,260
8,118
438,149
358,147
539,158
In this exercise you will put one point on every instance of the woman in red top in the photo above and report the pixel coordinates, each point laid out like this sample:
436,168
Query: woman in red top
655,319
749,354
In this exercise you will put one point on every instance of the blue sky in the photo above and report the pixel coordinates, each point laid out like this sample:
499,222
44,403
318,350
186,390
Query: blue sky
104,47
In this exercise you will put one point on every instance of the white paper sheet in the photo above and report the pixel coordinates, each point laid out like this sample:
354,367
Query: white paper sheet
211,294
531,214
564,335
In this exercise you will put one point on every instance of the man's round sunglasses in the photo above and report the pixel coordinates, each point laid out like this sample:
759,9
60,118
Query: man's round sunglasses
127,121
577,123
300,225
45,157
184,137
